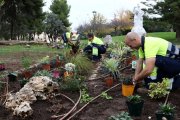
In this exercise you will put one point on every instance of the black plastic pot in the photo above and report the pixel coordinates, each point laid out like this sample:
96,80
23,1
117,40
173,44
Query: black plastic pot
12,77
135,109
159,116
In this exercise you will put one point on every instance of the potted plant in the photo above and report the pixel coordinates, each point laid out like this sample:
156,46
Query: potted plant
45,63
127,87
122,116
26,62
55,62
135,104
112,66
165,111
12,76
43,73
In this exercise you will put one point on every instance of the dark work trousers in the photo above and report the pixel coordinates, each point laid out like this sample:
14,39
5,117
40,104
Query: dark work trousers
101,50
167,68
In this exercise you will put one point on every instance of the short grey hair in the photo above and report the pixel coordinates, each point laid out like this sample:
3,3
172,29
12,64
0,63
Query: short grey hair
132,36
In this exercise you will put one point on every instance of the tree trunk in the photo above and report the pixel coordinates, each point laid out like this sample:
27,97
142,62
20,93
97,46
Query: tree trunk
29,36
178,32
12,27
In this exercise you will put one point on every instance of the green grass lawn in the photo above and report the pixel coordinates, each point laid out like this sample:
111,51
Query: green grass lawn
10,49
12,54
170,36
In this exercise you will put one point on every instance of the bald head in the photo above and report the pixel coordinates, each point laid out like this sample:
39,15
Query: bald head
133,40
132,36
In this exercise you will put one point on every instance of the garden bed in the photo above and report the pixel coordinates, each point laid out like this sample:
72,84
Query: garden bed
99,109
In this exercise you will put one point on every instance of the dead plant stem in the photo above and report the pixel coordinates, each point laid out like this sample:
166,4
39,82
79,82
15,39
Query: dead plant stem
73,108
91,101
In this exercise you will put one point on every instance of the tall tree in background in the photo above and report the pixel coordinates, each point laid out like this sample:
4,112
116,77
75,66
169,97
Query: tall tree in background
19,15
53,26
9,12
61,9
34,15
169,10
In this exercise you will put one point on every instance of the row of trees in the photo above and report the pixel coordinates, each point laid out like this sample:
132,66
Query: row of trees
168,10
122,21
22,18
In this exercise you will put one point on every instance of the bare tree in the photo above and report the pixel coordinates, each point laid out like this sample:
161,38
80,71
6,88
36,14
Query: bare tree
98,23
122,20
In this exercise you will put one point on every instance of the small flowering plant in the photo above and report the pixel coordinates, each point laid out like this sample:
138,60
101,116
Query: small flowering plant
70,67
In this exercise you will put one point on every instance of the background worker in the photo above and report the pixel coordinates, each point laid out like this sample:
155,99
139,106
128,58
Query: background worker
67,38
161,59
95,47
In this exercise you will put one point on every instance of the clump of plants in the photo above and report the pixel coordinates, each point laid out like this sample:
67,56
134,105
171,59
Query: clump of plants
83,64
159,90
26,62
85,97
43,73
71,84
106,96
119,50
45,60
122,116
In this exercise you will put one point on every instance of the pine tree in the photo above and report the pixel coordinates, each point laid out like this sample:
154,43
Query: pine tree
62,9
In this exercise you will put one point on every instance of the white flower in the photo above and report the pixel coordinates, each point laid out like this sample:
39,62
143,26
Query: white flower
69,67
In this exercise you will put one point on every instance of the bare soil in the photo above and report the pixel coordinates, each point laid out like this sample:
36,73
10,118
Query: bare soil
100,109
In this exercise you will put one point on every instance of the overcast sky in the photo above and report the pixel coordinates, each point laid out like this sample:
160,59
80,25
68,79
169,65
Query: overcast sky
81,10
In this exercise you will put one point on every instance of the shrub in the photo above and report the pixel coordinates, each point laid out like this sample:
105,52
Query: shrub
26,62
83,64
70,84
159,90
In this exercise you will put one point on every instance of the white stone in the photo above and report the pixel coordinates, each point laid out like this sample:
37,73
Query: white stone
20,102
